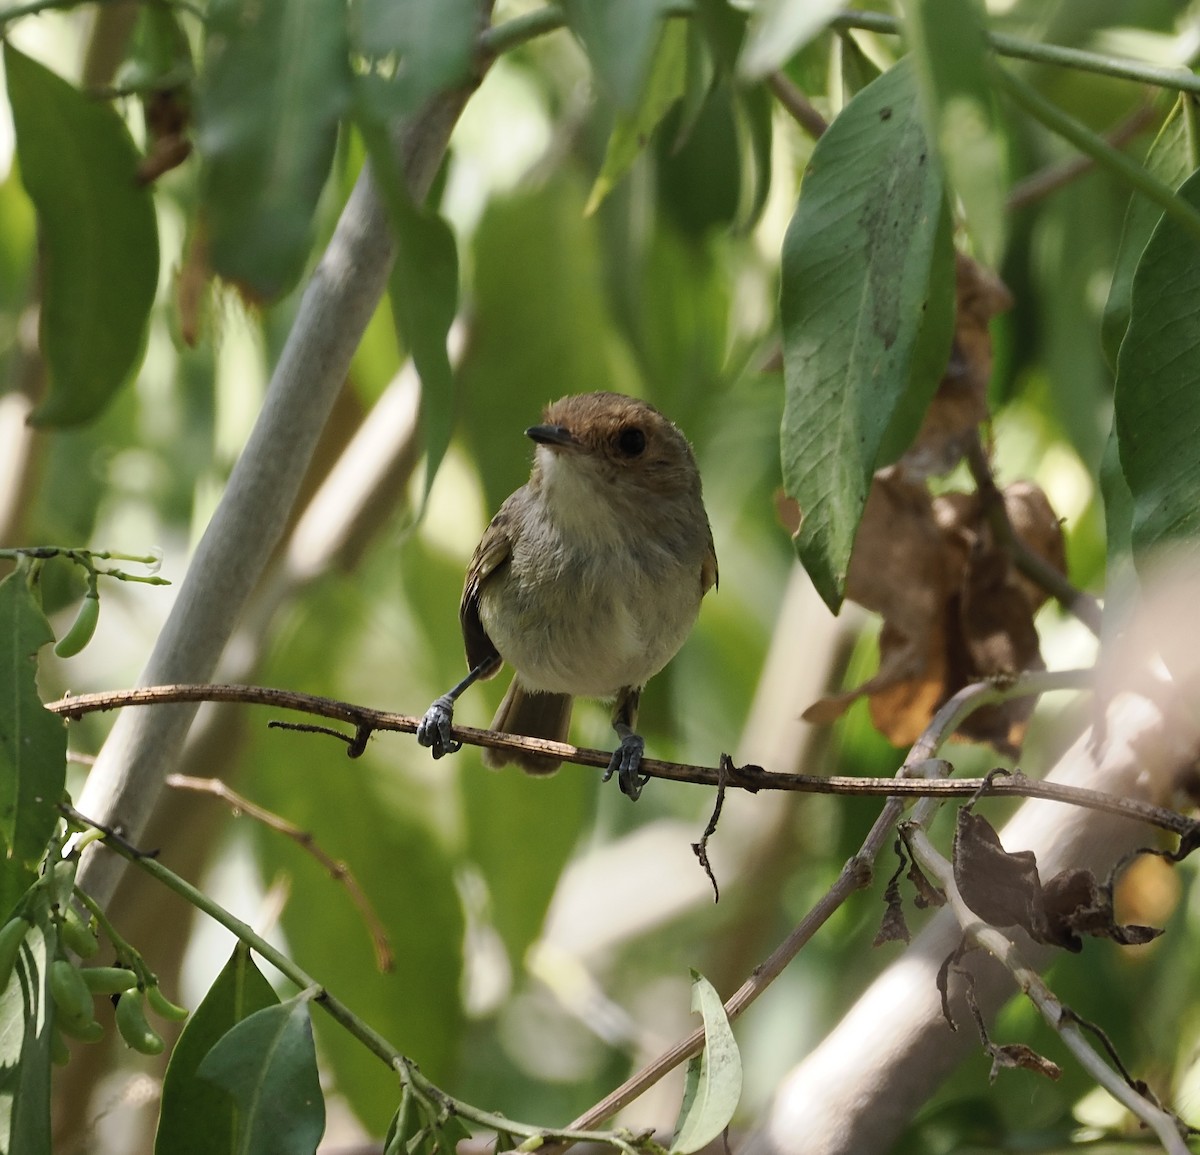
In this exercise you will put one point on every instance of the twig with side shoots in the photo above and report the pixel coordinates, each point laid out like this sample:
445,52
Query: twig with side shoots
366,721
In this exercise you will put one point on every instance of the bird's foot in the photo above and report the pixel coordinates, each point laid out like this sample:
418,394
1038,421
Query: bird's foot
435,728
625,763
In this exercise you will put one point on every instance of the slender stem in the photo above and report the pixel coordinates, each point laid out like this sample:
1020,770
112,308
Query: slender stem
1082,137
337,1010
1122,68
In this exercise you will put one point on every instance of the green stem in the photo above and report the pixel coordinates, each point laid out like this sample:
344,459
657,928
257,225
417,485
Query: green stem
1178,79
501,38
337,1010
1082,137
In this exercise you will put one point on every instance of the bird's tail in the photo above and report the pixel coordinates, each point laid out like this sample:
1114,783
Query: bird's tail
534,716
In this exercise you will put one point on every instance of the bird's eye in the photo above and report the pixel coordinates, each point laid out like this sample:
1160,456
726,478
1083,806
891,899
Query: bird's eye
631,441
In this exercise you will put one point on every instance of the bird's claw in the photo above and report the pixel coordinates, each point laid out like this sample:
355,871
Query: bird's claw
434,730
625,763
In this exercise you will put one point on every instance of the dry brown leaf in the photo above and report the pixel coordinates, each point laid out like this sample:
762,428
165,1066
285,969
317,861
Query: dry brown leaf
960,405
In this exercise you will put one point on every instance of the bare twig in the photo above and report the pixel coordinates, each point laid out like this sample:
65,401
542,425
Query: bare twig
1042,183
338,870
799,107
751,778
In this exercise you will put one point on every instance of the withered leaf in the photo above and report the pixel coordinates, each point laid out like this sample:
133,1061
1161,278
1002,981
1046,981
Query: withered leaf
1019,1055
893,927
960,404
1003,889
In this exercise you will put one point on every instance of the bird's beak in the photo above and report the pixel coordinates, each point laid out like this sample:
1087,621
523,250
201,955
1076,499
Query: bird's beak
555,436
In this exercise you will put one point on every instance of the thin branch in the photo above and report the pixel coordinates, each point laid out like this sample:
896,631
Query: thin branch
1083,138
750,778
1039,185
798,106
1085,607
338,870
362,1031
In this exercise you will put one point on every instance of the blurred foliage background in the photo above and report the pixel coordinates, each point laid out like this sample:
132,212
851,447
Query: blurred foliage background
543,929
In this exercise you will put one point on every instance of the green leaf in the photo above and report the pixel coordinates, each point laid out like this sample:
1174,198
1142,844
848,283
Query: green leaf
867,317
410,49
423,293
1171,158
948,42
26,1022
632,130
1157,395
33,742
98,235
268,1064
275,82
752,109
779,29
198,1118
1118,505
618,37
714,1077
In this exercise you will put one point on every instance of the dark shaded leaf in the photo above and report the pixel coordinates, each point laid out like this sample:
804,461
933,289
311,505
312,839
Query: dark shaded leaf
98,235
1157,396
33,742
198,1118
1170,159
268,1065
867,303
275,82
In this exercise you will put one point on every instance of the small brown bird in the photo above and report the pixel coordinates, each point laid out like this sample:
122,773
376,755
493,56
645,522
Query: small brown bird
588,579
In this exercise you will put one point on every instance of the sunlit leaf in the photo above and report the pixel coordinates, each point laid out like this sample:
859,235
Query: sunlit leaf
950,49
867,309
268,1065
33,742
714,1077
779,29
632,130
26,1018
1157,397
276,80
619,38
197,1117
1170,159
99,239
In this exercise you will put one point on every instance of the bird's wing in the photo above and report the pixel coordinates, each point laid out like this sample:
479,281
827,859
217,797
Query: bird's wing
491,554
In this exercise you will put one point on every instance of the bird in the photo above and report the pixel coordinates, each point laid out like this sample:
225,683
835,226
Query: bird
587,581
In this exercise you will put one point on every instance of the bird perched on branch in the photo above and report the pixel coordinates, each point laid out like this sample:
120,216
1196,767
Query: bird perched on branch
588,579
